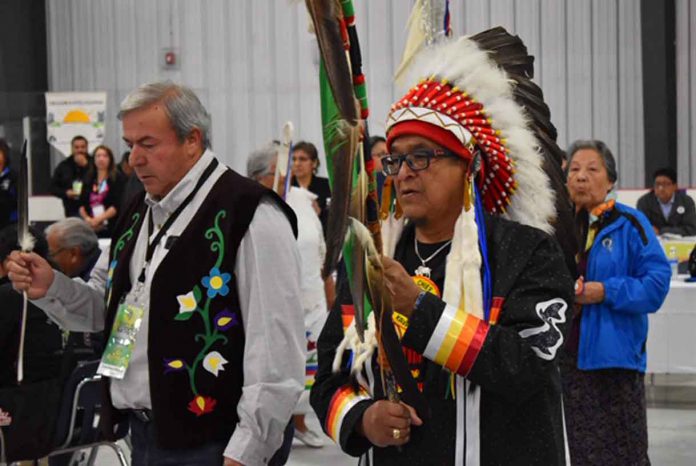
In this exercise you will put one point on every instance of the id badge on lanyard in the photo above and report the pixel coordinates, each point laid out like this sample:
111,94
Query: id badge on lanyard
121,343
98,210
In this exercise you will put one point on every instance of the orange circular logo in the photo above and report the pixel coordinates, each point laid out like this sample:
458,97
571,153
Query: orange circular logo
427,285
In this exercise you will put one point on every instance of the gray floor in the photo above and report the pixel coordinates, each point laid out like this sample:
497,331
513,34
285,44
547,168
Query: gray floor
671,429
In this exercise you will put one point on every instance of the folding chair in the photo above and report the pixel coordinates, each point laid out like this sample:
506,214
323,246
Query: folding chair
78,418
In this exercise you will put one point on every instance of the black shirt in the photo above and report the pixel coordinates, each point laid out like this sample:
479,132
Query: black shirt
63,177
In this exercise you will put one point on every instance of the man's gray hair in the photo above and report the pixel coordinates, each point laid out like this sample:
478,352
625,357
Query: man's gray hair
259,161
74,232
601,148
182,106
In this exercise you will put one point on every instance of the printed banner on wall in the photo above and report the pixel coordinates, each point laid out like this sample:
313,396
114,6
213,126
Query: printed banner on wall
69,114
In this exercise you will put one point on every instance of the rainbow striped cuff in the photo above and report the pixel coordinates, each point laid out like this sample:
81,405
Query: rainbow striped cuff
457,340
341,403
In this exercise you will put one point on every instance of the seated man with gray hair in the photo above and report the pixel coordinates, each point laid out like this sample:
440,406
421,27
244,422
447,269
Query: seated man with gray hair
73,247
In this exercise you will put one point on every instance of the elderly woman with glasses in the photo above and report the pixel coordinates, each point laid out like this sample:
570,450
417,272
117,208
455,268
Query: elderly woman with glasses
624,276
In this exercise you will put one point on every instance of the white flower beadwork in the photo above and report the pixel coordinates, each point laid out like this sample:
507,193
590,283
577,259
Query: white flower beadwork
214,363
187,302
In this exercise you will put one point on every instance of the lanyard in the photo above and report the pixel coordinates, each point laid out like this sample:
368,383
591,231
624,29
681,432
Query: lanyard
151,246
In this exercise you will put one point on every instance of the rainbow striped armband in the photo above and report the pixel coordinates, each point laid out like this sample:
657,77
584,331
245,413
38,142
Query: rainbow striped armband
457,340
341,403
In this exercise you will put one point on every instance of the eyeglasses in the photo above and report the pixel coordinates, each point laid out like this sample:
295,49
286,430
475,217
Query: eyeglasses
417,160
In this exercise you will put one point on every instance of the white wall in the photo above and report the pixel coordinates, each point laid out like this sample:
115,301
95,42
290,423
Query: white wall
686,91
253,62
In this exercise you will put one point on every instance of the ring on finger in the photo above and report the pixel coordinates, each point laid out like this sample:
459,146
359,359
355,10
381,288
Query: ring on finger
396,433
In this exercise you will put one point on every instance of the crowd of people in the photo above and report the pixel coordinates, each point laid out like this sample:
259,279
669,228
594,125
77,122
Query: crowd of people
521,336
93,187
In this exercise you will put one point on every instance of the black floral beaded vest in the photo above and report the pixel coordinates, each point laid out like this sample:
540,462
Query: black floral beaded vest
196,337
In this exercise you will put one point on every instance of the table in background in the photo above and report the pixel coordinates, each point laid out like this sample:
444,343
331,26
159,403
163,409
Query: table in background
672,331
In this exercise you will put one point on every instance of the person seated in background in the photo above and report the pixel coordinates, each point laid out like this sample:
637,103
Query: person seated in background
43,341
8,187
305,164
67,177
73,247
101,196
668,209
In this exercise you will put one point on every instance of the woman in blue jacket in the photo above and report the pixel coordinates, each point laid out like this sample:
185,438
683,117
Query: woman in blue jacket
624,276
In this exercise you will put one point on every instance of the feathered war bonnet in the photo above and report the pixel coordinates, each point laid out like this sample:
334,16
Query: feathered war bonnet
474,96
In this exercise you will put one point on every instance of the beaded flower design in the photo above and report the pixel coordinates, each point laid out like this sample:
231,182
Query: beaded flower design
197,302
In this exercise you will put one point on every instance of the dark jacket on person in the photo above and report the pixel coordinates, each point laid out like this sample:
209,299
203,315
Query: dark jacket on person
320,187
681,219
512,383
8,197
66,173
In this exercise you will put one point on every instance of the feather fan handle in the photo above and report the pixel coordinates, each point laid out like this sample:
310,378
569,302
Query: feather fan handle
22,336
26,243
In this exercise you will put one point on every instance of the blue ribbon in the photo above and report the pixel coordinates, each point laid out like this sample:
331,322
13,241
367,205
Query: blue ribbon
483,246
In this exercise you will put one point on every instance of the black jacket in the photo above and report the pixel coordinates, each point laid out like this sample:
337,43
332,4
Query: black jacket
681,219
8,197
515,372
65,174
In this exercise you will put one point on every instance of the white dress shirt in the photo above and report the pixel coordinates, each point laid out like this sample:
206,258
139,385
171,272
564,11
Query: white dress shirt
268,276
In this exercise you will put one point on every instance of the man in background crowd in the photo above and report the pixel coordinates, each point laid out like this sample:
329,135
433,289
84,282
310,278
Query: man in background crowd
668,209
67,178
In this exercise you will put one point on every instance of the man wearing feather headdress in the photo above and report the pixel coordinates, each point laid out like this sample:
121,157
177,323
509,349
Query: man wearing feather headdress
480,287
